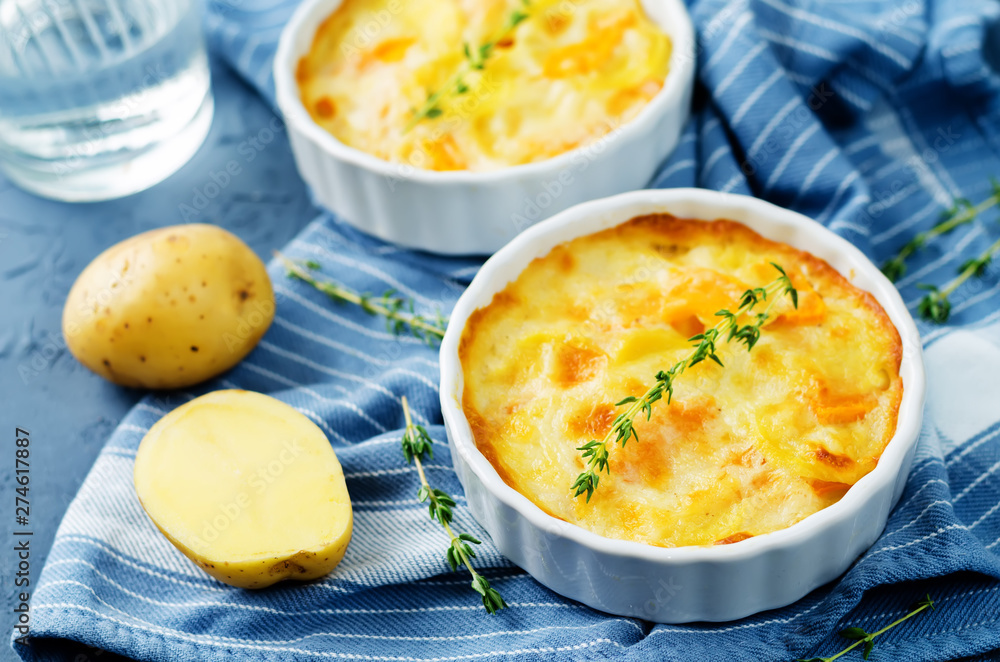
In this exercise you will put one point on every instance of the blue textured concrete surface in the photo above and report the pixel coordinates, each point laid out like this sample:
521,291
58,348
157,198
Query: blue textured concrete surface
44,245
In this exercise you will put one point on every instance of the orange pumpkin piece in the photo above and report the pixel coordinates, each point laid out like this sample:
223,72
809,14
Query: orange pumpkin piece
586,56
390,50
811,309
839,409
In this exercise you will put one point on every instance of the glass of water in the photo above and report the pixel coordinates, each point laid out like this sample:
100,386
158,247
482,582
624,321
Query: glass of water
100,98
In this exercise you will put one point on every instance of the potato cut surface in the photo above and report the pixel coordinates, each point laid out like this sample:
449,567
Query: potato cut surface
247,487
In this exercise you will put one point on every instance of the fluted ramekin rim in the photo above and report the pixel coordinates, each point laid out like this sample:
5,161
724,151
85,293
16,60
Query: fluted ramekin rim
311,13
539,239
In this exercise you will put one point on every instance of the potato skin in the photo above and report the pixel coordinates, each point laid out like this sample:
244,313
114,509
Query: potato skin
303,566
247,488
169,308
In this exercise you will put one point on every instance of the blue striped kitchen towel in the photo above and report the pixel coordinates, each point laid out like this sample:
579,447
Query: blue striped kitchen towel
870,117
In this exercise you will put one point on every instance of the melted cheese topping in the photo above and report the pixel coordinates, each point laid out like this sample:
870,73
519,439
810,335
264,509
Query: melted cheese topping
777,434
565,77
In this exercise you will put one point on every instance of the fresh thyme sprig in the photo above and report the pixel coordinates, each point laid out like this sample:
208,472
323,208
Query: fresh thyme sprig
960,213
596,453
475,60
417,446
935,306
862,638
398,312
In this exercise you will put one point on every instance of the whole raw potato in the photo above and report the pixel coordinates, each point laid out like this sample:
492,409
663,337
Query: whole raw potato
169,308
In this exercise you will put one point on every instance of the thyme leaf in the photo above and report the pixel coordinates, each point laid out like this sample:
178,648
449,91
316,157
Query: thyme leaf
866,639
399,312
417,447
596,453
935,306
960,213
475,60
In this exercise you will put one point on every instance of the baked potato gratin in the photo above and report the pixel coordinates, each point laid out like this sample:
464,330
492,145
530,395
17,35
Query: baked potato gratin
555,76
775,435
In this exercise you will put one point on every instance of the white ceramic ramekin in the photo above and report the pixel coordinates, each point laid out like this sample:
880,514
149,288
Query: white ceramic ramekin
463,212
688,583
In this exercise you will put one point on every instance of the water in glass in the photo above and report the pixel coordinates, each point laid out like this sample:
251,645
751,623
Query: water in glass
100,98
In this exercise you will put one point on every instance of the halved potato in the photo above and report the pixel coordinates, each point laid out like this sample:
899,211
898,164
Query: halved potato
247,488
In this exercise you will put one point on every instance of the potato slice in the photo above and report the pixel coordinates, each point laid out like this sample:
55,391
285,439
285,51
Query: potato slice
247,488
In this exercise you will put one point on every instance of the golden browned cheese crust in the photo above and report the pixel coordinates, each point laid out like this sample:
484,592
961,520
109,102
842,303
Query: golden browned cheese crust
777,434
568,75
